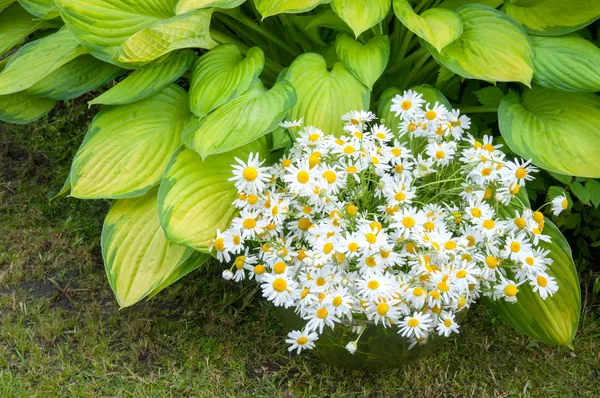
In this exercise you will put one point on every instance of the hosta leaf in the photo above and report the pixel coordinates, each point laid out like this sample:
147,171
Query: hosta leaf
4,4
184,6
148,80
221,75
182,31
15,25
567,63
195,261
267,8
45,9
554,320
127,147
195,195
454,4
75,78
492,47
327,18
385,115
137,255
325,96
432,95
558,130
553,17
38,59
361,15
250,116
366,62
22,108
103,26
437,26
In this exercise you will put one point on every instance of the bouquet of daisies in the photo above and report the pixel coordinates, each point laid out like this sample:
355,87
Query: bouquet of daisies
403,231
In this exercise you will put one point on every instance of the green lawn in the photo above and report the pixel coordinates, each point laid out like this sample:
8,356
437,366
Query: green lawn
62,333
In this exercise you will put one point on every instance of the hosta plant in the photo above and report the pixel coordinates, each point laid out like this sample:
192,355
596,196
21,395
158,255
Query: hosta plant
188,86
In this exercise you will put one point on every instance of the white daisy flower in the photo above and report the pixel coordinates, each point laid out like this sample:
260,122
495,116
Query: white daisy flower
559,204
300,340
417,325
250,177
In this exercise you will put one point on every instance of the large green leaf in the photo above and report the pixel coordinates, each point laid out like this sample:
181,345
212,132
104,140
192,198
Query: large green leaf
567,63
22,108
195,195
554,320
75,78
492,47
437,26
553,17
558,130
195,261
182,31
252,115
103,26
148,80
325,96
4,4
366,62
385,115
221,75
15,25
38,59
454,4
361,15
127,147
267,8
184,6
45,9
137,255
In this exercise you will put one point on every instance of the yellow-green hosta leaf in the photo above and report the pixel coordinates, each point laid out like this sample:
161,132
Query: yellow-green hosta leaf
182,31
366,62
221,75
184,6
252,115
148,80
437,26
325,96
553,17
361,15
137,255
15,25
127,147
567,63
195,195
103,26
22,108
44,9
83,74
557,130
432,95
554,320
38,59
492,47
327,18
195,261
454,4
267,8
4,4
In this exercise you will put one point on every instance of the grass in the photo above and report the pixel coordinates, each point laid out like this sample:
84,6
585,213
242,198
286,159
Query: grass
62,333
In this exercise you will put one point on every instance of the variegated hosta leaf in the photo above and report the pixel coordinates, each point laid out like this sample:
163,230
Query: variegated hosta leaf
558,130
195,261
492,47
182,31
437,26
127,147
184,6
221,75
267,8
22,108
366,62
567,63
137,255
361,15
325,96
15,25
148,80
195,195
44,9
454,4
75,78
553,17
103,26
554,320
252,115
38,59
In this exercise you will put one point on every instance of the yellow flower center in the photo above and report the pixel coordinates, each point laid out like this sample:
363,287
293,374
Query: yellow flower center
286,163
489,224
313,137
430,115
538,216
322,313
413,322
429,226
302,340
488,147
406,105
371,238
521,173
220,244
370,261
329,176
320,281
461,274
279,285
400,196
443,286
450,245
279,267
542,281
259,269
486,171
353,247
491,262
511,290
328,247
515,247
440,155
418,292
351,169
250,174
384,254
565,203
408,222
476,212
249,223
373,285
337,301
351,209
304,224
349,149
520,222
383,309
